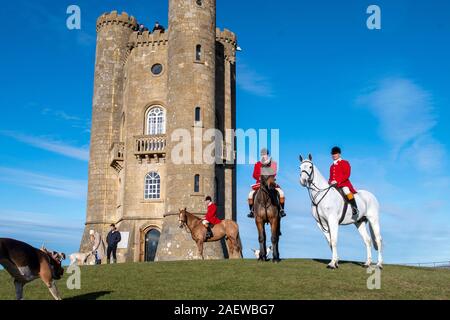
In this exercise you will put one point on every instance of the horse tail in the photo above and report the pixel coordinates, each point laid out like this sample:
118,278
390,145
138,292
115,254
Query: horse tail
373,217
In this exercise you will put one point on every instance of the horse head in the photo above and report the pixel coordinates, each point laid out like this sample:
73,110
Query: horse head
182,219
54,260
306,170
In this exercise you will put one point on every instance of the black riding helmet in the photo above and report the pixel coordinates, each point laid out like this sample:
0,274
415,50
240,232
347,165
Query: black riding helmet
336,150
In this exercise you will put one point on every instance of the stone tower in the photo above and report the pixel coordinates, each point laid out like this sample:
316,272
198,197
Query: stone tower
149,86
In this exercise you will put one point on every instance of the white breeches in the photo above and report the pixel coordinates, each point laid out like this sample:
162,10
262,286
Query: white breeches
346,190
252,192
205,222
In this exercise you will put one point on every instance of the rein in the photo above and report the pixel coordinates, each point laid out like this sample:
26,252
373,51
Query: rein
311,186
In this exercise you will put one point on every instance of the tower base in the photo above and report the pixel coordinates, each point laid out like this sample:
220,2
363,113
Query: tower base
176,243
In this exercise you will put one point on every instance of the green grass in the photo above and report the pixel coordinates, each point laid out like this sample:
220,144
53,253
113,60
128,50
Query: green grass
242,279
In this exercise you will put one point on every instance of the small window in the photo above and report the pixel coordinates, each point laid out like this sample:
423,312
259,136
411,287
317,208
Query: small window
198,117
157,69
152,186
197,183
199,2
198,53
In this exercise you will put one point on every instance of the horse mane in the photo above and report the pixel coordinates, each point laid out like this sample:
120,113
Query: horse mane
192,215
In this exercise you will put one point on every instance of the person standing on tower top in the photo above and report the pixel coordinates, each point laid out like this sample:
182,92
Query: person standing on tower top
158,27
340,172
266,162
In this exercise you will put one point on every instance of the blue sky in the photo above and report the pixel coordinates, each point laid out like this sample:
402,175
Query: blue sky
311,69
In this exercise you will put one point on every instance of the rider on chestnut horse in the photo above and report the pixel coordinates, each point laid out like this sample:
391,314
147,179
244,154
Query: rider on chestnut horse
210,217
269,166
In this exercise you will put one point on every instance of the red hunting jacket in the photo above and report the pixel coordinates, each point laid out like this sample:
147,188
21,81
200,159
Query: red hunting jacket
340,173
257,173
211,214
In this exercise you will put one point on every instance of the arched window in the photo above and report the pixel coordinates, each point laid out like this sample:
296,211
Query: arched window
156,122
197,183
198,116
152,186
198,52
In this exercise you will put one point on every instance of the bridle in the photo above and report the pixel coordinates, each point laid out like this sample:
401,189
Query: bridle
311,186
183,222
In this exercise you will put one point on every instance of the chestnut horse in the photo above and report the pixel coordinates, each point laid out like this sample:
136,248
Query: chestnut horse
266,211
227,229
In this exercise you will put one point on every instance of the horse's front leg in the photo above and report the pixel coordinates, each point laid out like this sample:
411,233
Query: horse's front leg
333,226
200,249
262,240
275,238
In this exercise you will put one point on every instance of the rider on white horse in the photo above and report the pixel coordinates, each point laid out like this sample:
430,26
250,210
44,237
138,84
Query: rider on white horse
340,172
269,167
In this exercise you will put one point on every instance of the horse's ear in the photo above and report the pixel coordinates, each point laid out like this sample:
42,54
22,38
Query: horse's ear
185,209
300,157
310,157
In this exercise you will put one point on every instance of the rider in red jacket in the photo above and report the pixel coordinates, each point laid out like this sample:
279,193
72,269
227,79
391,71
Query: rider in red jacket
340,172
210,217
267,162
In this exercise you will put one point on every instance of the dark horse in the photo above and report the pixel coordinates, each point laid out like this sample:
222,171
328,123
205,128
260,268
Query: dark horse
266,210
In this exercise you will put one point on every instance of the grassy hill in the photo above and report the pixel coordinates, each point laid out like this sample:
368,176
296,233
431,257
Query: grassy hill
242,279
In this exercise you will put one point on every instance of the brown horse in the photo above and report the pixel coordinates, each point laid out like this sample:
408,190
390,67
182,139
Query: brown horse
266,211
227,228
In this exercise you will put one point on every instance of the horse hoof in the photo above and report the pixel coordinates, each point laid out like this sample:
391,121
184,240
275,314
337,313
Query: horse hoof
380,266
276,260
366,265
331,267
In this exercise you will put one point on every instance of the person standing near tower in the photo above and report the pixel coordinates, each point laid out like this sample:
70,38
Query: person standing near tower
113,240
340,172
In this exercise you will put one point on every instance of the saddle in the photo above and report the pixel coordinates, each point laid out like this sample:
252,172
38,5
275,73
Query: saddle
346,203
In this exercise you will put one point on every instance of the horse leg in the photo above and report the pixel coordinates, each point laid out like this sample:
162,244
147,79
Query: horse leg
262,241
366,238
333,226
19,289
326,234
200,249
275,238
374,227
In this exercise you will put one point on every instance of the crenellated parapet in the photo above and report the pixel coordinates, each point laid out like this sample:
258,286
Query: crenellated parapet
147,38
114,18
229,41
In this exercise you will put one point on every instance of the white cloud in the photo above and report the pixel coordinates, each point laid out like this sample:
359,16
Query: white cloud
80,153
407,117
55,186
253,82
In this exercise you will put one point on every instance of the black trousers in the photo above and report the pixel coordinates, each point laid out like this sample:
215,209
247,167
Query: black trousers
112,250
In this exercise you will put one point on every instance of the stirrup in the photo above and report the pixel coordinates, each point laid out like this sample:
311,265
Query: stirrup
282,213
251,215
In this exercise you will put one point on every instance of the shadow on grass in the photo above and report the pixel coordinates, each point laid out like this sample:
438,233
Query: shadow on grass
323,261
89,296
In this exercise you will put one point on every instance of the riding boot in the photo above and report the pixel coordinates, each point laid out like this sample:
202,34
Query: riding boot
282,213
354,206
209,233
250,215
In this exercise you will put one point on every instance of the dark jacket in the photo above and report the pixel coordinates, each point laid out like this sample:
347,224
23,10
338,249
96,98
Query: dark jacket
113,238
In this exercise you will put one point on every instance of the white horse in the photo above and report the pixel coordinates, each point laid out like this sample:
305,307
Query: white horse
327,207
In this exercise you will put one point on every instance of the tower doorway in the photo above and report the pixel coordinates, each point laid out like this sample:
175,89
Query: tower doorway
151,244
